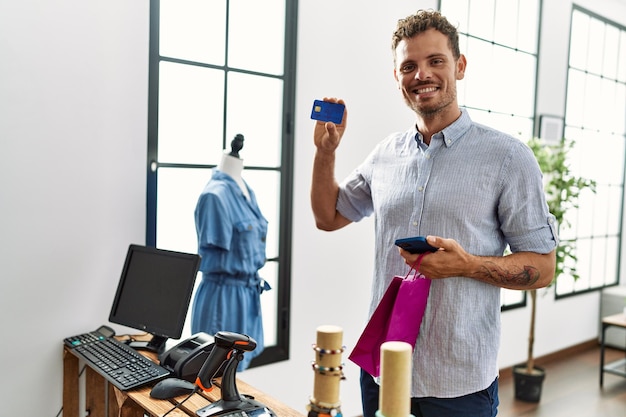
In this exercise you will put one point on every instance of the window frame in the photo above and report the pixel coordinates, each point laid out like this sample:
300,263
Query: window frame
495,113
280,351
594,236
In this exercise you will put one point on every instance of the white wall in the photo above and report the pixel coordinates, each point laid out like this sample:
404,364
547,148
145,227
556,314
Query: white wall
73,108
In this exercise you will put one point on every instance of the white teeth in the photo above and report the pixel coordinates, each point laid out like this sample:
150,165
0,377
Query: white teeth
426,90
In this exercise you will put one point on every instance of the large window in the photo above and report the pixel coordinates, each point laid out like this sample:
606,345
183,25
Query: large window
595,119
500,40
218,70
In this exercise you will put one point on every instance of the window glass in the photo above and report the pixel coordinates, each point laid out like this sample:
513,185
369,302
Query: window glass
269,303
510,297
609,46
457,13
476,78
255,110
593,96
256,35
615,93
575,103
499,40
595,120
514,97
177,195
578,37
520,127
481,18
266,186
191,113
621,60
527,24
505,23
584,251
606,117
612,209
490,65
595,36
187,26
611,258
221,68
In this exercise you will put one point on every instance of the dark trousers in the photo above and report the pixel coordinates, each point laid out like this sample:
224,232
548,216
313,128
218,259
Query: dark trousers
479,404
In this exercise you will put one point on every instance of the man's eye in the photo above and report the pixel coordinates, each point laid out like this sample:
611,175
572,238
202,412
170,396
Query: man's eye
408,68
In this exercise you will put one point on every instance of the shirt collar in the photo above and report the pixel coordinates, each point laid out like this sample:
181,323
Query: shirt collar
450,133
222,176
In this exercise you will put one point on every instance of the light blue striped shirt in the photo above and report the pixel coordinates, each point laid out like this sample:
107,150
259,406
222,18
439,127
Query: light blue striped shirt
472,184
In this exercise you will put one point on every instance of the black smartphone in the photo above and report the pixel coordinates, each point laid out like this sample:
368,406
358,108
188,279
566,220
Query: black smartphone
416,244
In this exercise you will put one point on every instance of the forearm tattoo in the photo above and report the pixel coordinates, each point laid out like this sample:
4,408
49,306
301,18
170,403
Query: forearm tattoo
526,277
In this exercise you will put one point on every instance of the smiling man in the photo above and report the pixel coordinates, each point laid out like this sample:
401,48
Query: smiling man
426,68
472,191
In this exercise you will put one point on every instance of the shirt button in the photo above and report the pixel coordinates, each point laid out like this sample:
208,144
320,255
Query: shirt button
420,188
414,223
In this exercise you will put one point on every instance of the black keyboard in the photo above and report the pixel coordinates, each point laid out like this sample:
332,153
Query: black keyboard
118,363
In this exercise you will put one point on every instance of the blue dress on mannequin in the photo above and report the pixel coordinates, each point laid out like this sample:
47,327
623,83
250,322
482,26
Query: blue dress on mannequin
231,233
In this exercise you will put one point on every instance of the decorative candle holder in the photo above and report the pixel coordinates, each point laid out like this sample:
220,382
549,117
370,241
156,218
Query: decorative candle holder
328,370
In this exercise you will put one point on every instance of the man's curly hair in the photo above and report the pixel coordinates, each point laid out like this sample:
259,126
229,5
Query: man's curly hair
420,22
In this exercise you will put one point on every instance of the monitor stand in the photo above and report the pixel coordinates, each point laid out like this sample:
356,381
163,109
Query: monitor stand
156,344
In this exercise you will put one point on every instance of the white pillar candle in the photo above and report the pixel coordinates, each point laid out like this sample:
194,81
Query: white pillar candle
395,379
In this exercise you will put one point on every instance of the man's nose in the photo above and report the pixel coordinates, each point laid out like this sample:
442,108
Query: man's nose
423,74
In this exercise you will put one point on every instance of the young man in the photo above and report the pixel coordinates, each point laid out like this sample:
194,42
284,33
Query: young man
472,191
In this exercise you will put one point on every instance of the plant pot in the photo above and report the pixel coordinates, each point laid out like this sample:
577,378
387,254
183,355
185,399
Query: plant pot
528,386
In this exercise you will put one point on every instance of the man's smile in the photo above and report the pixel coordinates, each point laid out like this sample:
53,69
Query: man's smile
425,90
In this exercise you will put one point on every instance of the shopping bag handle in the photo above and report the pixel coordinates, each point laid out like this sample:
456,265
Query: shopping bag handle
416,264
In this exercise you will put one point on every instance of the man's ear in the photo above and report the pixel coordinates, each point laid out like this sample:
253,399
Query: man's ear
461,64
395,74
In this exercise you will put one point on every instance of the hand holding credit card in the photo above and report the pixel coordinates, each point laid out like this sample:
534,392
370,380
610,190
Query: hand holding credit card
327,111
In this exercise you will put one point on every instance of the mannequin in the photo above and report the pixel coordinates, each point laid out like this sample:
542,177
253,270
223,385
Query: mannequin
233,166
231,233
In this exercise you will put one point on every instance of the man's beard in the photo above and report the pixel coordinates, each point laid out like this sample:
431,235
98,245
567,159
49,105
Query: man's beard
431,110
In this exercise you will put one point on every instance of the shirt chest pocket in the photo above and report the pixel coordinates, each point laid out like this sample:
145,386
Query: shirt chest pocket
250,239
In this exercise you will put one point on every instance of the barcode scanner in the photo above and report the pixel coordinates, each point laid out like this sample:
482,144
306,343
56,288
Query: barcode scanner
227,352
228,345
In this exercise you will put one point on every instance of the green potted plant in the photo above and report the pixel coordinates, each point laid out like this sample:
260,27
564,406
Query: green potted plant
562,190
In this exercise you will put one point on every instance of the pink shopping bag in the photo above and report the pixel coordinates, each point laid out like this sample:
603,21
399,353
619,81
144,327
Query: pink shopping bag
397,317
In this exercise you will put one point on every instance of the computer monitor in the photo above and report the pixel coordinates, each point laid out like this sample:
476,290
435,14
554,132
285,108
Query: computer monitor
154,292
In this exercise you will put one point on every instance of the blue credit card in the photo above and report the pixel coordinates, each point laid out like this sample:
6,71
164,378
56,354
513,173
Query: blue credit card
327,111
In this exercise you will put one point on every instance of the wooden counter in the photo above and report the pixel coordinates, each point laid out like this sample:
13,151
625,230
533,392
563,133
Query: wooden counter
102,399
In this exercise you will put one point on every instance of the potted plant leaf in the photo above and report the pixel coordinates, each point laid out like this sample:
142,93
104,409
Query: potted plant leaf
562,190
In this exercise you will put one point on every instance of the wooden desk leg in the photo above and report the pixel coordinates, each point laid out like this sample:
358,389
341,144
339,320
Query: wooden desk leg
124,406
112,403
70,384
95,396
604,326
